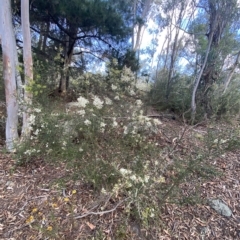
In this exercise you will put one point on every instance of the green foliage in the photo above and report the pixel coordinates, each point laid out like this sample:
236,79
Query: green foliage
222,139
225,105
179,99
108,143
35,88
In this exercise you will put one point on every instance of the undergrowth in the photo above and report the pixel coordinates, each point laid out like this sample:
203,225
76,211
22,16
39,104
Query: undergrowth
108,141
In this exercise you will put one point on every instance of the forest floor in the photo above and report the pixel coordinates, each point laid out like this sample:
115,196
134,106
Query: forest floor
35,204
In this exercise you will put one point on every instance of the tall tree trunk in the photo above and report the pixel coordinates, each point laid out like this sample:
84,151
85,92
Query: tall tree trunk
219,14
9,73
68,53
46,30
172,63
28,67
64,73
40,41
139,28
231,73
196,84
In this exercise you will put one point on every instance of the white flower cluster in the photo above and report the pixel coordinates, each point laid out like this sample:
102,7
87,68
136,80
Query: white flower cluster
82,102
102,126
81,112
128,174
114,124
87,122
142,124
108,101
37,110
129,179
125,172
36,132
127,75
132,93
143,86
64,144
113,87
32,119
31,151
139,103
97,102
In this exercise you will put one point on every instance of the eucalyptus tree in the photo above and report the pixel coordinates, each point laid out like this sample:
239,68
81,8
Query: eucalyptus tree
9,73
141,11
218,19
177,18
28,67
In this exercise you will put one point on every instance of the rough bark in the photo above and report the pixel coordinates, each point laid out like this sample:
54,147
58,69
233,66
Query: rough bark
9,73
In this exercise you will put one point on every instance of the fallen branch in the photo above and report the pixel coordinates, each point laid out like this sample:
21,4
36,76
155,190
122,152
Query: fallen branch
102,212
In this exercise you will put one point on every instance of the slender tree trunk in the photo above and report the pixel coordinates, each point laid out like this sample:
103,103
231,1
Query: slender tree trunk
28,67
139,28
40,41
18,78
172,63
193,103
63,80
231,73
46,30
9,73
134,22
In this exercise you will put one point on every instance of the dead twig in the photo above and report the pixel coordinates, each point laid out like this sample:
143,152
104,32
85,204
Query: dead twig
102,212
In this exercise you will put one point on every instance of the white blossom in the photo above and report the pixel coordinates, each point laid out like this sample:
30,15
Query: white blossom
36,132
32,119
146,179
97,102
125,172
82,102
102,126
139,102
108,101
37,110
81,112
117,97
87,122
114,87
125,130
157,121
132,93
114,124
133,178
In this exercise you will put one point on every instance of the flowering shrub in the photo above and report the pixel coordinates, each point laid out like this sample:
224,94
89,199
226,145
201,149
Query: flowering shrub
107,139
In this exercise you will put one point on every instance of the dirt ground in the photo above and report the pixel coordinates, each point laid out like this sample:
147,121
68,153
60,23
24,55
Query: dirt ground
34,204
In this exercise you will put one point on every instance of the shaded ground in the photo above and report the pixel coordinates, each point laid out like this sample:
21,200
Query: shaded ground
35,204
